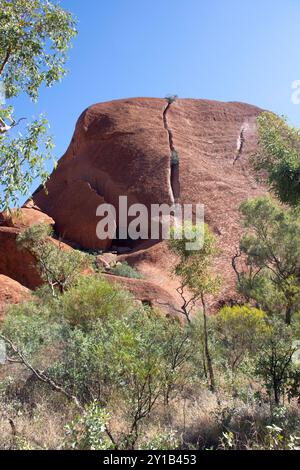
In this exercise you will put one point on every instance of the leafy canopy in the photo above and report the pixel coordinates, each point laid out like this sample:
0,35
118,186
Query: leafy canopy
272,249
35,36
276,363
197,279
194,267
241,330
277,161
22,159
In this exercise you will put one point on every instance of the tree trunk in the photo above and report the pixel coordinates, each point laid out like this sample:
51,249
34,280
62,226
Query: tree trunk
276,394
288,315
212,384
204,361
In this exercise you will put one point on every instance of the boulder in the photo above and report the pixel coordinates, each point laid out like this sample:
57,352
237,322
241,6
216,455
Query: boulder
24,217
18,264
148,293
106,260
11,292
124,147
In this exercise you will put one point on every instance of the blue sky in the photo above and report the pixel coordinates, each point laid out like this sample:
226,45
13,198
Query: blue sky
229,50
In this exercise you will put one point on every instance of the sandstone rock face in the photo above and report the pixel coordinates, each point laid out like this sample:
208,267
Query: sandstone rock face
148,293
24,217
11,292
123,148
18,264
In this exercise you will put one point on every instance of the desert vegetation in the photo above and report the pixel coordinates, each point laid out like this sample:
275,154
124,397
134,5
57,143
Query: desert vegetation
84,364
102,371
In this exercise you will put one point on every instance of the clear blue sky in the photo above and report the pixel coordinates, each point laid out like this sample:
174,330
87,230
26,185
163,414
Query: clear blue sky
231,50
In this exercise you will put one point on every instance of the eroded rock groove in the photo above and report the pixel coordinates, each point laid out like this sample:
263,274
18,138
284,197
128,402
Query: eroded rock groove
174,161
240,145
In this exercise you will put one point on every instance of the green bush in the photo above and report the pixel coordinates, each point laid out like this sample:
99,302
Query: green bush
58,266
107,349
165,440
277,161
275,363
92,298
113,358
87,432
126,361
30,327
125,270
174,158
241,331
271,246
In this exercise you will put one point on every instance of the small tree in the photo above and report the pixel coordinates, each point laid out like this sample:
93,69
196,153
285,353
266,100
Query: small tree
275,361
277,161
271,247
241,329
194,270
171,98
179,349
138,365
58,267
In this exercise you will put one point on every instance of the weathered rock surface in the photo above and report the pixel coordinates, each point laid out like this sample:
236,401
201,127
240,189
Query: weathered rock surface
11,292
18,264
106,260
24,217
148,293
123,148
14,263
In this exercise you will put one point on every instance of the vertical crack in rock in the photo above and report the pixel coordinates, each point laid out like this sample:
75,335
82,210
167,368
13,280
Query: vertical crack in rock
174,163
94,189
240,145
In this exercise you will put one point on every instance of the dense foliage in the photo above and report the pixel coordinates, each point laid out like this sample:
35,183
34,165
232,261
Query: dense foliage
125,270
35,36
58,265
277,161
122,374
271,246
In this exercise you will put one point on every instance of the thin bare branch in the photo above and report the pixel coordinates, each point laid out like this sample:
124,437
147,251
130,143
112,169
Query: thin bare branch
6,59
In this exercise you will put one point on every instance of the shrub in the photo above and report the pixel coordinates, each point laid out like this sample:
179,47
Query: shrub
275,363
92,298
106,349
125,270
277,161
241,330
88,431
271,246
29,326
164,440
174,158
171,98
58,268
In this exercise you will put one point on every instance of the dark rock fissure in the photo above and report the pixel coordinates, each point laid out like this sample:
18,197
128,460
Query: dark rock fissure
171,142
240,146
174,162
94,189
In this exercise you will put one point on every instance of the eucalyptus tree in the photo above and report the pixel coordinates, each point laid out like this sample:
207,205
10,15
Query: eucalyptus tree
271,249
35,36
